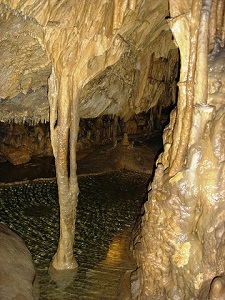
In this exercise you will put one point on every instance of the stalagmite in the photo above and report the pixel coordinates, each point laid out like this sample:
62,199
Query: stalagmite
181,249
70,72
64,122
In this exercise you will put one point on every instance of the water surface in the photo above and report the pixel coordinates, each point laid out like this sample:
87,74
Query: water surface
108,206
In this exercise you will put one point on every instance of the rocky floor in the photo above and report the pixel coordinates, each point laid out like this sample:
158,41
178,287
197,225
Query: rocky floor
113,185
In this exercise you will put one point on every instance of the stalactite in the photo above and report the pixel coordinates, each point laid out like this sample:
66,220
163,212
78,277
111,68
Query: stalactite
187,119
120,8
114,130
213,24
53,92
223,27
140,77
180,21
201,78
220,17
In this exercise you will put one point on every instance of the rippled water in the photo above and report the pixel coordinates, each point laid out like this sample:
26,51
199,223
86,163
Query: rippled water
107,208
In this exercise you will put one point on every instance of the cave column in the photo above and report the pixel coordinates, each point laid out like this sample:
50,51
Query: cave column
64,124
175,227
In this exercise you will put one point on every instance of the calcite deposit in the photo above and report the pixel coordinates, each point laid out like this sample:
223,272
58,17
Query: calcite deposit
126,61
181,249
66,60
63,60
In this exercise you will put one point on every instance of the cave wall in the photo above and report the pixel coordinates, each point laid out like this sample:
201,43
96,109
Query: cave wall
180,250
106,66
21,142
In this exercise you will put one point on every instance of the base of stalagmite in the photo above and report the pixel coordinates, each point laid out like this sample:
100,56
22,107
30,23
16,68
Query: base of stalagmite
62,271
62,277
60,264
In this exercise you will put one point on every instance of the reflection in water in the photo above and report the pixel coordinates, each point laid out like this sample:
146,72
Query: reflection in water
118,249
107,208
106,276
114,253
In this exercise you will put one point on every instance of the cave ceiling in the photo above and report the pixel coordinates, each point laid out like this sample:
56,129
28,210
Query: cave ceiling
118,65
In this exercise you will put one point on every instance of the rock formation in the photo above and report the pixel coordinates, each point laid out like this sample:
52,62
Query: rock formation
91,58
17,273
181,251
66,60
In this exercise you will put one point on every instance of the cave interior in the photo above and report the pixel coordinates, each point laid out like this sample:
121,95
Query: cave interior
76,76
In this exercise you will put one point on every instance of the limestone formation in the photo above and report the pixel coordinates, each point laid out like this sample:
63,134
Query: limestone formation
92,58
182,246
66,60
17,271
134,59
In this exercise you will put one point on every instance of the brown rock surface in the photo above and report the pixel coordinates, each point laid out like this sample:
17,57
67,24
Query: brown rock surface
100,54
16,156
33,34
181,246
89,58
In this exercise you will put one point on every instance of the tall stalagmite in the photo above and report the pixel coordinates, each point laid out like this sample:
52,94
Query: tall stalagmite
72,46
183,229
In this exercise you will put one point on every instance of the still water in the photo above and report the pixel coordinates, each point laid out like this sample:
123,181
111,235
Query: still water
108,206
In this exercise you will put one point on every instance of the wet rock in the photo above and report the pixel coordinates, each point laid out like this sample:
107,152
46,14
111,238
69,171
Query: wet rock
17,271
16,156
